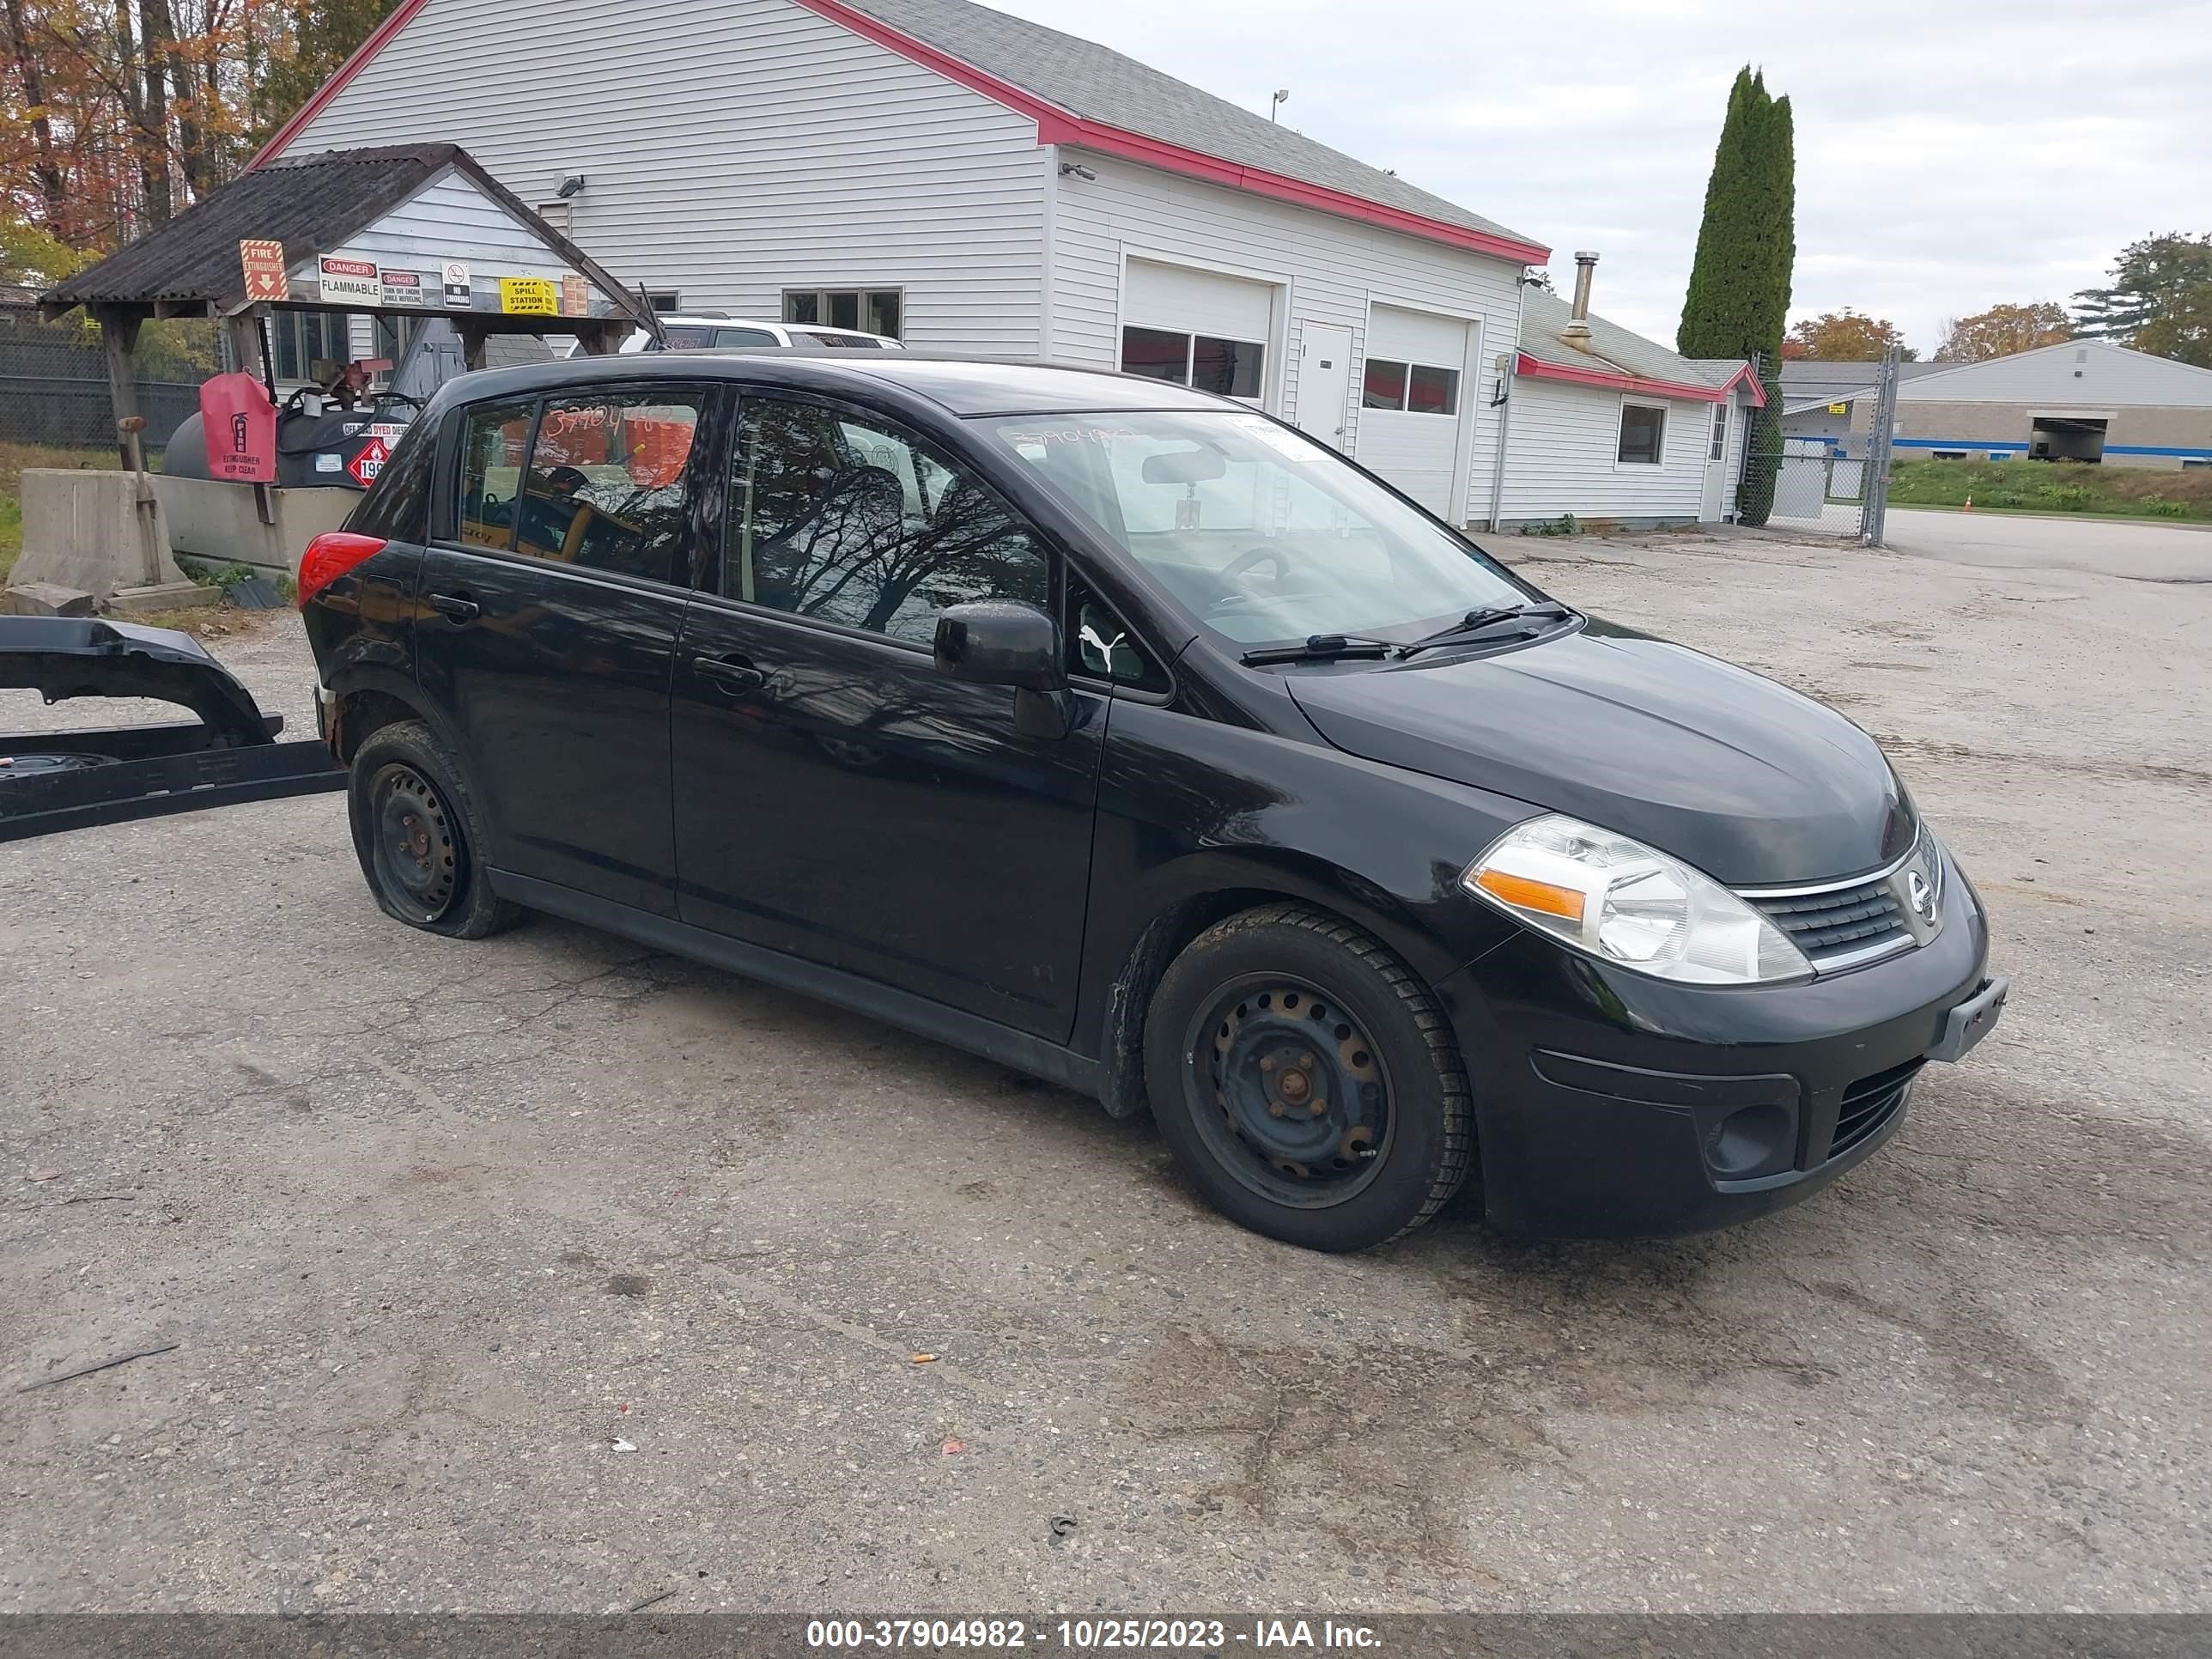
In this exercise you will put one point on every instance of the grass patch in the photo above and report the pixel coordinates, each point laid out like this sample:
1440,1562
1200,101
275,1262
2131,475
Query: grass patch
13,458
2134,492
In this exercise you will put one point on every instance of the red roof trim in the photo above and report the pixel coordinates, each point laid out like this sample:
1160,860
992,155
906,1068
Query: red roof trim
1536,369
379,37
1058,126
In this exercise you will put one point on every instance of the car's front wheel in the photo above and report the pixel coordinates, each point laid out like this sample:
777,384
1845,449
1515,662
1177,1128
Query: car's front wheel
418,835
1307,1082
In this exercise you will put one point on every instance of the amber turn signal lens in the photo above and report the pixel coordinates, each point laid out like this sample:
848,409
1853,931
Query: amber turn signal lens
1524,894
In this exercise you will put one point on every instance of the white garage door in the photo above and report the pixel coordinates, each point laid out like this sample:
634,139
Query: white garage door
1197,328
1412,404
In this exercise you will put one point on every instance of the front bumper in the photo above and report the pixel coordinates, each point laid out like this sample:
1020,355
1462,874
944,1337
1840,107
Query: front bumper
1611,1105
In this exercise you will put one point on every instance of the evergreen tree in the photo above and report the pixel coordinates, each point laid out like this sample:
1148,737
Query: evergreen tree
1739,295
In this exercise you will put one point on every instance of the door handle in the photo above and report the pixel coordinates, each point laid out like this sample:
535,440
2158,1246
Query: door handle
731,674
457,607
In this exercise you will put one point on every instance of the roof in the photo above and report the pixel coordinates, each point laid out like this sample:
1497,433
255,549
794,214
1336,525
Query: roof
1619,356
1083,94
310,203
958,385
1099,85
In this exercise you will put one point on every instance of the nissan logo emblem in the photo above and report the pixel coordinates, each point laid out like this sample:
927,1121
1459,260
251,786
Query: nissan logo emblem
1921,895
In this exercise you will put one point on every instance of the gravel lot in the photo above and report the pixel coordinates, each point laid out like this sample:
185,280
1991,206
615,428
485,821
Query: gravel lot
542,1272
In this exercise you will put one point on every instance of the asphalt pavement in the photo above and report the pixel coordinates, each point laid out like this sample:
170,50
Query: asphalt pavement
2178,553
545,1272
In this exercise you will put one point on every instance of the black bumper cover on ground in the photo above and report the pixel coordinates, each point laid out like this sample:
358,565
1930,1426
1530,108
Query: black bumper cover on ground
55,780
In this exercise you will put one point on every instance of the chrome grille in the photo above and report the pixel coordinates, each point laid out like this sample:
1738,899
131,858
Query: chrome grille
1871,1102
1842,924
1844,921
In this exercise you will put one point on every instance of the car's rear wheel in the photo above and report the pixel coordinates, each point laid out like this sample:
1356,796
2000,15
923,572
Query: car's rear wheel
418,835
1306,1080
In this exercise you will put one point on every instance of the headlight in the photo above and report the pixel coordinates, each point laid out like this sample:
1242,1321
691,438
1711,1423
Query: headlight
1620,902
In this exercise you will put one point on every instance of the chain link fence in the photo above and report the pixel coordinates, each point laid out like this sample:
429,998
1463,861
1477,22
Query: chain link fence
1836,486
53,392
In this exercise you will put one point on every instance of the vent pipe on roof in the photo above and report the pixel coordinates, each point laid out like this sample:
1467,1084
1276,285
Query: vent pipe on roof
1576,333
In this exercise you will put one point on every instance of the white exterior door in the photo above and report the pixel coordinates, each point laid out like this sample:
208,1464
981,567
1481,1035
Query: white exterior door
1325,382
1714,507
1414,383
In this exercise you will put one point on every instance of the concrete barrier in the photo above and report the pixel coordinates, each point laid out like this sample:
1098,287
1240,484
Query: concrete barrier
219,523
87,529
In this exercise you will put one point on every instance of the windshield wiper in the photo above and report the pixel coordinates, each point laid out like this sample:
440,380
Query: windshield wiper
1476,622
1320,647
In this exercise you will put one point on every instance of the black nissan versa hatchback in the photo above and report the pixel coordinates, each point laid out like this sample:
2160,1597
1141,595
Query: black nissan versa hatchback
1128,736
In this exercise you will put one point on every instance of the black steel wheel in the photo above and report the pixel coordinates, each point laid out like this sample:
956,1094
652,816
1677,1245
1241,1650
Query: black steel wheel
1306,1081
416,832
418,856
1302,1099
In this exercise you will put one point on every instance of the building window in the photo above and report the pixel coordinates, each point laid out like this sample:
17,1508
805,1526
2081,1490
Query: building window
1230,368
1642,434
666,302
1720,431
1417,388
871,310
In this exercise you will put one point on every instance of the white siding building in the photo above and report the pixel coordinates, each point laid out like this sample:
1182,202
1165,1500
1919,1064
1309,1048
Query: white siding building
1608,426
976,183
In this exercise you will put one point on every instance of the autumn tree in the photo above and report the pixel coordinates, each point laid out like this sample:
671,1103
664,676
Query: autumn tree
2003,329
1738,293
116,114
1843,336
2158,299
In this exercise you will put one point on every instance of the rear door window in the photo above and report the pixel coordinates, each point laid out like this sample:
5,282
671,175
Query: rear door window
605,488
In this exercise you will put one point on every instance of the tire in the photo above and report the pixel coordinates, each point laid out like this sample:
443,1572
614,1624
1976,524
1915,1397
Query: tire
1306,1082
418,835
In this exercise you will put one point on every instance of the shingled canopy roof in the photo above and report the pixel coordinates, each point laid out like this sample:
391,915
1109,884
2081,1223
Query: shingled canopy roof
314,203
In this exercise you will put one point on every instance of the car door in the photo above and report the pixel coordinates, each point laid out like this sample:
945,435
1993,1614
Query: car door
836,797
550,608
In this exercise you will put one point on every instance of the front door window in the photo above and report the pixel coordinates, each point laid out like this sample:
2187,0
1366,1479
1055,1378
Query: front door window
851,521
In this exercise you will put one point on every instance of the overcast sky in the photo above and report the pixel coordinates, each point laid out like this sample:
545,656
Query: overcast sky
1950,155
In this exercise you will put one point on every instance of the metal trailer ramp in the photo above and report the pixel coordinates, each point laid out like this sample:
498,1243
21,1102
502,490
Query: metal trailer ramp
72,780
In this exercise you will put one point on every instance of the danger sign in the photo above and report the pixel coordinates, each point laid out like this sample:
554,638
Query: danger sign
365,466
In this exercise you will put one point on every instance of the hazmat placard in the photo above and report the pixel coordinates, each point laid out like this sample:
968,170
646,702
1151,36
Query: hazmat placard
528,296
366,465
349,279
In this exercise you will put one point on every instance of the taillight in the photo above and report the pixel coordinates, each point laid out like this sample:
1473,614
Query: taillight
329,555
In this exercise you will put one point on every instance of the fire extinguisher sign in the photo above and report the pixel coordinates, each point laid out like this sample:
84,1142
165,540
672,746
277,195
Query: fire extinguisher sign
365,466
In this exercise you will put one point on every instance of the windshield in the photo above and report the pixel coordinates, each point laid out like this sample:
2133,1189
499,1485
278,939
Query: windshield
1262,534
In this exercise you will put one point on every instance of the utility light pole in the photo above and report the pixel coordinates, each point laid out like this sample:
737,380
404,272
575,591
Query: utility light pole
1277,101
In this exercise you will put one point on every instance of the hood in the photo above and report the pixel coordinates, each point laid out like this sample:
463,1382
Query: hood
1742,778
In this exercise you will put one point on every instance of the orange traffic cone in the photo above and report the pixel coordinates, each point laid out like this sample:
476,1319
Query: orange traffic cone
1969,506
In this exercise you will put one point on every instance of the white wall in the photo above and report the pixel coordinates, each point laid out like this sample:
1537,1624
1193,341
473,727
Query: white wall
733,148
2084,373
1562,450
1332,269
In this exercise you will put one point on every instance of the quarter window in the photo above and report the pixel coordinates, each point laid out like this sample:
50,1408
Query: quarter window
855,523
496,437
1417,388
1232,368
1642,434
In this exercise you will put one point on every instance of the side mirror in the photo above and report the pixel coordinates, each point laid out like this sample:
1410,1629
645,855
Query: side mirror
1001,642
